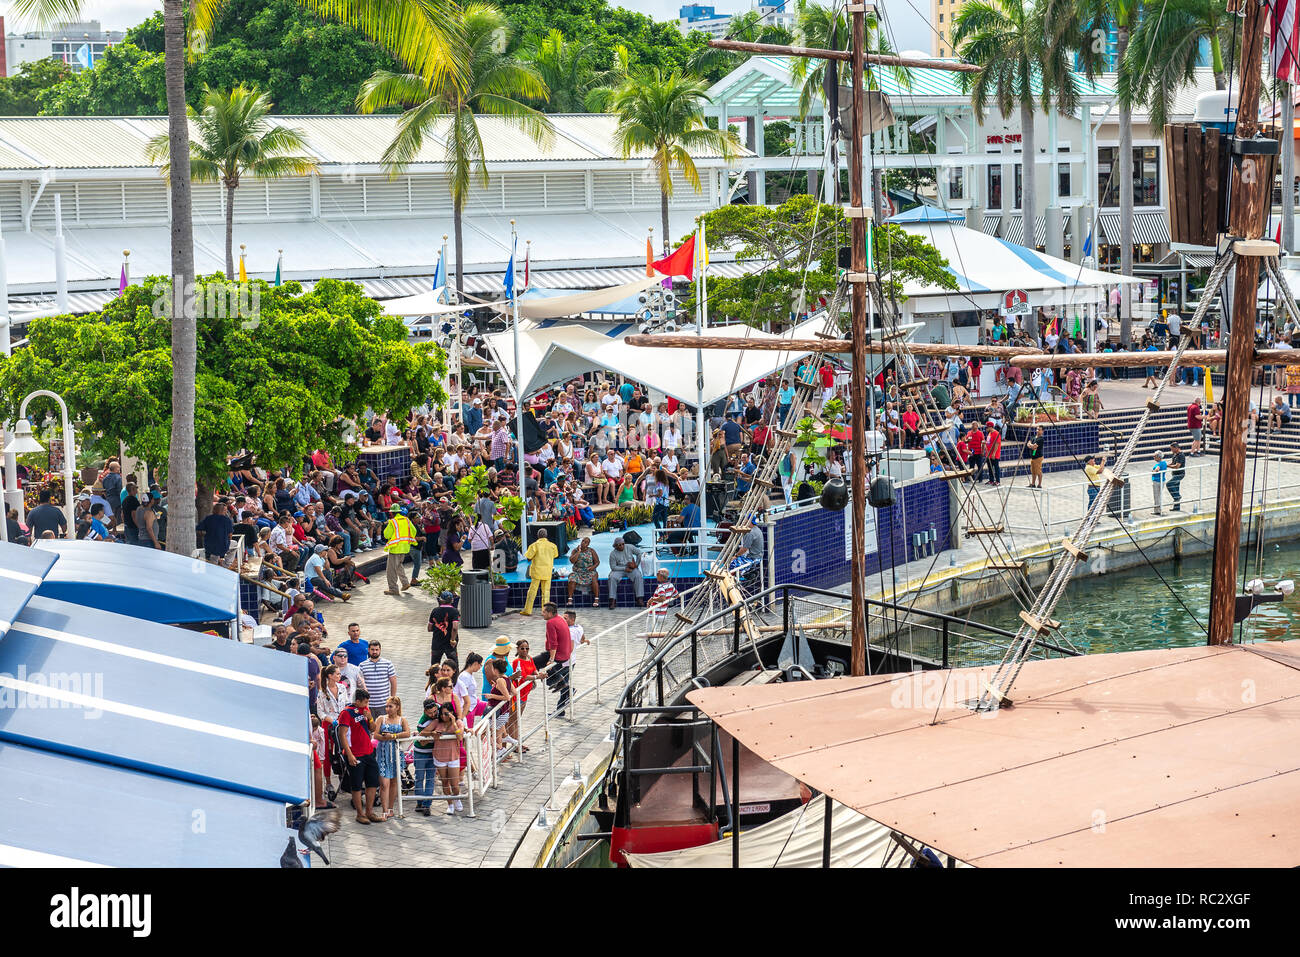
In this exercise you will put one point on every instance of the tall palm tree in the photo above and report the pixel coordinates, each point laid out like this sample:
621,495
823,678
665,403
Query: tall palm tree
748,27
663,115
491,81
235,139
182,477
1123,15
1019,47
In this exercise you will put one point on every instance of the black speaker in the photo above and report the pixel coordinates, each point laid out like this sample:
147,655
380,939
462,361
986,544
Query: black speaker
835,495
881,493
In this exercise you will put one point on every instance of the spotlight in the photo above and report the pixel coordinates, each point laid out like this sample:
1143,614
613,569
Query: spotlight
1255,586
1286,586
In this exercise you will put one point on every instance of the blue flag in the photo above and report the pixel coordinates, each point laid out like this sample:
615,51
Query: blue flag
510,272
84,56
1087,244
439,275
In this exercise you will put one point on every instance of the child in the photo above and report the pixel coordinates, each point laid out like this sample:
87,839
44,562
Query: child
318,765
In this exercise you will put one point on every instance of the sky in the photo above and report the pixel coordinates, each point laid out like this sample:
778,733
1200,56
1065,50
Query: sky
907,19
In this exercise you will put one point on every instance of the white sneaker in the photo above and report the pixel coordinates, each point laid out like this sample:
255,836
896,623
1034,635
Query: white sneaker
460,806
451,808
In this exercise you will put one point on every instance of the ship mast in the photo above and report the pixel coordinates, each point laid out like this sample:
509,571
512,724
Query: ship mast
859,213
1249,191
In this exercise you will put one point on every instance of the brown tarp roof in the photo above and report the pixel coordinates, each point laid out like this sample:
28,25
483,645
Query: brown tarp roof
1186,757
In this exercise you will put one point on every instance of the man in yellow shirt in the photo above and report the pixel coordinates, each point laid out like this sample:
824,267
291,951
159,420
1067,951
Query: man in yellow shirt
541,557
399,536
1092,467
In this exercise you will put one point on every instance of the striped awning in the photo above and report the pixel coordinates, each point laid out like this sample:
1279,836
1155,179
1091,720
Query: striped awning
1198,260
1149,228
1014,230
991,223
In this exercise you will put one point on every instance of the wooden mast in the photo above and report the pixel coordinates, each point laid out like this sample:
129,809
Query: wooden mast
858,339
1249,192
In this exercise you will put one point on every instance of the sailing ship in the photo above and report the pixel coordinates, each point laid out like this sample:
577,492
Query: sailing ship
739,716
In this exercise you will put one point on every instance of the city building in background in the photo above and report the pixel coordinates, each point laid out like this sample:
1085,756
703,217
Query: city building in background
80,45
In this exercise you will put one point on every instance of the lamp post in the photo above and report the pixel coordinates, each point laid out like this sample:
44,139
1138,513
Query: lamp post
22,440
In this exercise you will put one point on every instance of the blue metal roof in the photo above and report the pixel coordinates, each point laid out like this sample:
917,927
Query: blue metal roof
61,811
151,697
140,582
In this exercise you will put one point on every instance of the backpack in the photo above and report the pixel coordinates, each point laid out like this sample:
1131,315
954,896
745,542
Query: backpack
338,762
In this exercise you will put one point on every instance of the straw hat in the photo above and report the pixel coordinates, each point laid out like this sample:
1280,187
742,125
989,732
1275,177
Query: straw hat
502,647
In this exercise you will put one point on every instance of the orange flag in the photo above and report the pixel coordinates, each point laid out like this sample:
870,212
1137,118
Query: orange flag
649,258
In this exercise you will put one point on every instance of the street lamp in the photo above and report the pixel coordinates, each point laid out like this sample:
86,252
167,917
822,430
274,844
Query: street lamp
22,440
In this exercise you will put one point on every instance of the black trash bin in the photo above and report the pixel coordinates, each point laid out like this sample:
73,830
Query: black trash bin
475,599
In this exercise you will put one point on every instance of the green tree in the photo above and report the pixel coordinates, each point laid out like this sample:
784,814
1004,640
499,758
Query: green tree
126,81
278,387
663,115
234,139
1164,52
748,27
567,68
803,232
493,82
820,27
20,93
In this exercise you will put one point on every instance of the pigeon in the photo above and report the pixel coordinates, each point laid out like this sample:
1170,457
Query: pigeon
290,856
316,827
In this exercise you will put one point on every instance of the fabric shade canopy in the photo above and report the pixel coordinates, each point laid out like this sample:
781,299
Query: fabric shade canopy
986,267
422,304
557,353
538,305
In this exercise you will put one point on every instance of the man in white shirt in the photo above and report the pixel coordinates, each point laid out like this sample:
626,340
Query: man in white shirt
672,438
612,466
669,462
609,401
577,634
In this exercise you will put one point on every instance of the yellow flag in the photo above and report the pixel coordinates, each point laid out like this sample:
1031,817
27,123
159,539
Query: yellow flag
704,249
1209,389
243,273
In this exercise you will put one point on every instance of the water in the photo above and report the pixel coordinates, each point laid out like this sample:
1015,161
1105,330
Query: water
1133,610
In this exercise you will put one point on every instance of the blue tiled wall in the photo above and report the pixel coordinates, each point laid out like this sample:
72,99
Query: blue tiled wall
388,463
810,543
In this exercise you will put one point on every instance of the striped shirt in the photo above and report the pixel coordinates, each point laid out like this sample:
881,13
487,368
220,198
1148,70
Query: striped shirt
377,672
500,443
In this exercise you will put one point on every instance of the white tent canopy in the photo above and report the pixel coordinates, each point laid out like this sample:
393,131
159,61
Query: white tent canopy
422,304
556,353
987,267
794,840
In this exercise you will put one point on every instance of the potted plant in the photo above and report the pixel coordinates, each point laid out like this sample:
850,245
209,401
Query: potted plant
500,593
440,577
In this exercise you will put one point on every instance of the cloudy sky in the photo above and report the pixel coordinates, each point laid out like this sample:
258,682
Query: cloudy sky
907,19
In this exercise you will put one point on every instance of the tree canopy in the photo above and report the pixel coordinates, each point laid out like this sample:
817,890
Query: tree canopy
779,236
276,385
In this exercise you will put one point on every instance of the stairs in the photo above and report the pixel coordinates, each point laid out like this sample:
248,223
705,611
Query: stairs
1170,425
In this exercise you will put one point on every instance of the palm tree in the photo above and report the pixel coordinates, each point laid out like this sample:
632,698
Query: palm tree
663,115
492,81
236,138
813,28
1018,47
748,27
568,70
182,479
1165,50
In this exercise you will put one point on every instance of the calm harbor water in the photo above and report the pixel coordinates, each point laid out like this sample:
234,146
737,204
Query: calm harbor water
1133,610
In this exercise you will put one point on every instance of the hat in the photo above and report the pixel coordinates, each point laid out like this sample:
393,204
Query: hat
321,548
394,508
478,401
297,514
502,646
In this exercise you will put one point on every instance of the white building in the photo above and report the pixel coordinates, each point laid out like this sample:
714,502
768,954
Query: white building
586,210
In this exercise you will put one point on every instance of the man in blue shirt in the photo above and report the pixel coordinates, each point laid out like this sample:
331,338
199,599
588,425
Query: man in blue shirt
98,531
784,399
731,432
625,392
473,417
744,470
357,648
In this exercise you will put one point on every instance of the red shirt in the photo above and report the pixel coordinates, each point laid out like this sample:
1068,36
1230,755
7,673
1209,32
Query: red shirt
993,445
558,641
1194,417
975,439
963,450
358,732
828,376
523,668
910,421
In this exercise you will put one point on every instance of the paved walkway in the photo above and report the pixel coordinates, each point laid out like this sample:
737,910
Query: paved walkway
504,812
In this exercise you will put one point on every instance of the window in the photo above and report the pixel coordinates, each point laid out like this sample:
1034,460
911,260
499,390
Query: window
1019,171
1063,174
956,182
941,18
1146,176
995,186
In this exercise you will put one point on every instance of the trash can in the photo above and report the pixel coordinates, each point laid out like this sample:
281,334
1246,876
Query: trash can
475,599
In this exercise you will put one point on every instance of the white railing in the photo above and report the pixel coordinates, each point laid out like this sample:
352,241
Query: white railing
1056,509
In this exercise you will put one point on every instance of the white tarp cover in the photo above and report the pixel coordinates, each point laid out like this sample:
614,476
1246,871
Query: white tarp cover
985,267
794,840
576,304
556,353
422,304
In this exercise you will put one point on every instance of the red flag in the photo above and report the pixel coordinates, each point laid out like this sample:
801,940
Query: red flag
649,259
527,250
680,262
